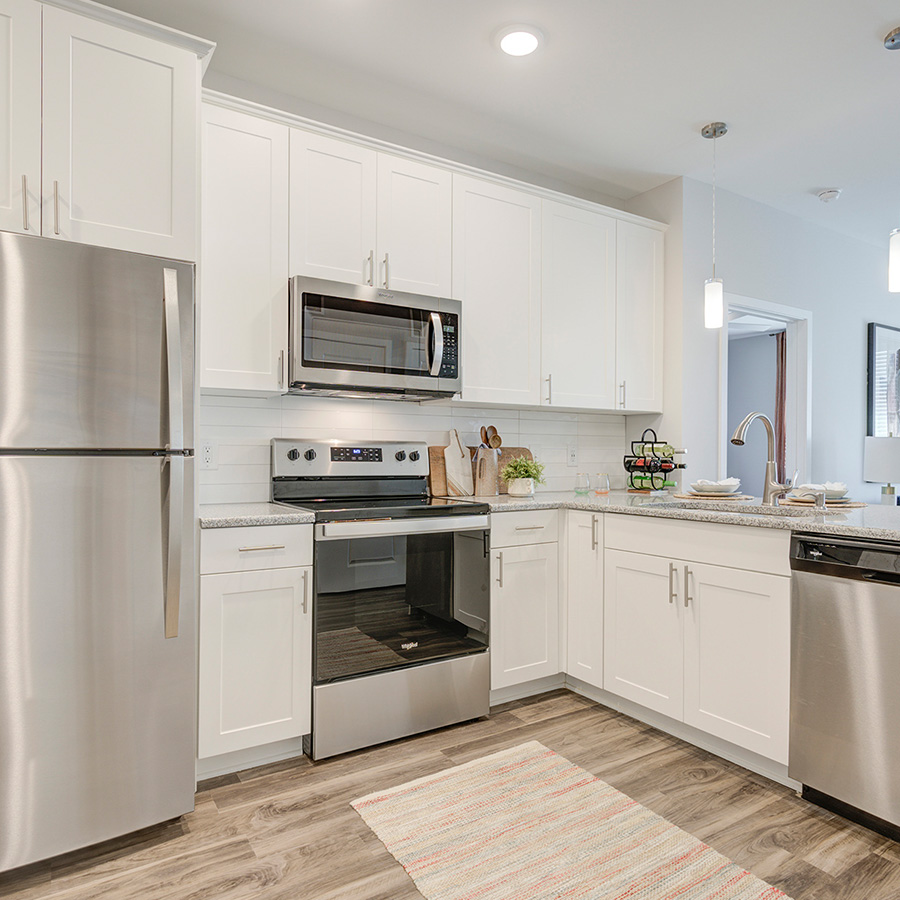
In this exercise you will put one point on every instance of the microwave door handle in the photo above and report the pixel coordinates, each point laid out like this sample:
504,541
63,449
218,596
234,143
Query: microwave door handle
437,345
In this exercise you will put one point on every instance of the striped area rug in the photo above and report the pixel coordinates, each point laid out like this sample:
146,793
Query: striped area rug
526,824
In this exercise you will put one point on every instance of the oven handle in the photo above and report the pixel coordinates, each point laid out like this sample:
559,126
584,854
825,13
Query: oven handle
437,345
341,531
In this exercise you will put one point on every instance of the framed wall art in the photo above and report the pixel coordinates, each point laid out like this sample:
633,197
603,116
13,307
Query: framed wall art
884,381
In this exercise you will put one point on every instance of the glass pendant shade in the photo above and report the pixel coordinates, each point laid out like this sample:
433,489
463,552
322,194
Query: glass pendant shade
894,262
713,303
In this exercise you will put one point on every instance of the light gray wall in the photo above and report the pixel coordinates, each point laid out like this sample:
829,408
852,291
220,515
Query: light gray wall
766,254
751,388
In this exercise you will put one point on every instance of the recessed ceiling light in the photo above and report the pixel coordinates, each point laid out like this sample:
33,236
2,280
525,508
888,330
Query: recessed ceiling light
828,194
518,40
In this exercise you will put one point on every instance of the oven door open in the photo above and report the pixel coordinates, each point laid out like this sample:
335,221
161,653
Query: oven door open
397,593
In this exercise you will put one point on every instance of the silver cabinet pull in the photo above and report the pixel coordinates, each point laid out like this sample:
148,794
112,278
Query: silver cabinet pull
673,591
529,527
371,279
173,358
387,270
687,589
305,591
500,568
622,394
174,537
594,540
266,547
550,389
25,202
281,369
56,207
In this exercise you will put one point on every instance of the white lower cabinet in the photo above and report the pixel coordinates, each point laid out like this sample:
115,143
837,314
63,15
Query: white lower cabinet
737,657
704,644
255,653
584,629
524,611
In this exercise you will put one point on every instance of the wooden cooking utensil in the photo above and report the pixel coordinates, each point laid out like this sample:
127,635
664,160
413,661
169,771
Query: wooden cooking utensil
494,441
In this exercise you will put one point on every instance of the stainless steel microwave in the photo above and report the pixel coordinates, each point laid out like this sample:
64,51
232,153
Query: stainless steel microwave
356,340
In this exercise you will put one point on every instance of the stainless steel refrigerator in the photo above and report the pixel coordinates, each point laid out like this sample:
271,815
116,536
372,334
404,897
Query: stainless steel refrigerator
97,631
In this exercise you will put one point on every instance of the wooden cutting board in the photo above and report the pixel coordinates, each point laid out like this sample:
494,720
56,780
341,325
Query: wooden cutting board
437,472
458,467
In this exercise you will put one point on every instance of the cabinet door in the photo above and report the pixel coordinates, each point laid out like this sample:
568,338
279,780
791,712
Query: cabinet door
332,209
639,317
578,307
737,657
643,631
414,209
524,614
120,138
585,597
244,275
497,276
255,658
20,116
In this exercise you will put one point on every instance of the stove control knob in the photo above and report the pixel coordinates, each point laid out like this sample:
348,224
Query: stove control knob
293,454
414,456
400,455
310,455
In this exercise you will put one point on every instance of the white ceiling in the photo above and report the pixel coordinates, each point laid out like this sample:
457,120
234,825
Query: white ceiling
614,101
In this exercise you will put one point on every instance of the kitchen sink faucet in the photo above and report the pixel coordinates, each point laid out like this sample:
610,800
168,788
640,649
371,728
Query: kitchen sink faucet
772,490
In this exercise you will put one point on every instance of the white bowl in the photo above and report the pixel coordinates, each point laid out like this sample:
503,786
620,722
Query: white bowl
834,490
716,487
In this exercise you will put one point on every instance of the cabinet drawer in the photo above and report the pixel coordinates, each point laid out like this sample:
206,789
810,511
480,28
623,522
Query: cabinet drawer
512,529
734,546
255,547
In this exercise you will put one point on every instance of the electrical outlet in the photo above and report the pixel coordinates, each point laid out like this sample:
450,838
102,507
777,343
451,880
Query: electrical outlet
572,456
209,455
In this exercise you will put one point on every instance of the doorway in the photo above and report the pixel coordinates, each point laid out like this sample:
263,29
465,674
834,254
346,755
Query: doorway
764,366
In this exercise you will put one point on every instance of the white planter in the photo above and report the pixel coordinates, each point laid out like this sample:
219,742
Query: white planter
521,487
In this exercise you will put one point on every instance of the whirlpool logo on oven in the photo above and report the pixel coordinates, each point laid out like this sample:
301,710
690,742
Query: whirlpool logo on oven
409,646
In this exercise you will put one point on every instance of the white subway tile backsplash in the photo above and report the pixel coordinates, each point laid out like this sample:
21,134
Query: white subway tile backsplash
242,428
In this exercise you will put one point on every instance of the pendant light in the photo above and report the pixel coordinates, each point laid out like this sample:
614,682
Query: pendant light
892,42
713,291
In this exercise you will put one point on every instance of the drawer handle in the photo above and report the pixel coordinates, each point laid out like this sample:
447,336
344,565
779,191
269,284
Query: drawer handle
267,547
530,527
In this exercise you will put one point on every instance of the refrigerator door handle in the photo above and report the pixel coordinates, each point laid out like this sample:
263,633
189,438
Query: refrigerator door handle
173,360
174,537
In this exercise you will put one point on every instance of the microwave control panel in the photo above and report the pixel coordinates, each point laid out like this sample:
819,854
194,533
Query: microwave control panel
450,361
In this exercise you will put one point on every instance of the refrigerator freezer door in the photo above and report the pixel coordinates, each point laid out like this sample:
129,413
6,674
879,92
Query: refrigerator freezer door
84,347
97,705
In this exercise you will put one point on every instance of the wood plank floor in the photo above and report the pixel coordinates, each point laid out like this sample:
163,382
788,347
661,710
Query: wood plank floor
286,831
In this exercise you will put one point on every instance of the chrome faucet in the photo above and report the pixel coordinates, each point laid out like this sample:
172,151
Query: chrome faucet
773,489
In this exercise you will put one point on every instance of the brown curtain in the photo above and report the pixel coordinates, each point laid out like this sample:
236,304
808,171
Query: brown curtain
780,395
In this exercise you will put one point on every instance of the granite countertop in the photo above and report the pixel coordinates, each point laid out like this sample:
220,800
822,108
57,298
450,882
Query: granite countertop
877,522
874,521
232,515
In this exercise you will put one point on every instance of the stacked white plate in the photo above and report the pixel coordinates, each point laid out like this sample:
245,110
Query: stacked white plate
835,492
715,489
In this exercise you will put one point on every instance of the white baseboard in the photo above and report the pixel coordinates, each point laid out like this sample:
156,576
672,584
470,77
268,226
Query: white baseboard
226,763
528,689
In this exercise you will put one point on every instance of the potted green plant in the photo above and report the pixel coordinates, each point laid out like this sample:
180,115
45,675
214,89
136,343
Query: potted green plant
520,474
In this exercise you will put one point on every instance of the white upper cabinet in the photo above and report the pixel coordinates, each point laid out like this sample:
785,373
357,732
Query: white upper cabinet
639,322
119,137
578,307
497,276
332,203
365,217
413,229
20,116
244,272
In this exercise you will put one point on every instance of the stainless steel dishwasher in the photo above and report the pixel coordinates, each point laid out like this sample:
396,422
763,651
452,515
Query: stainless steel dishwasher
845,677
